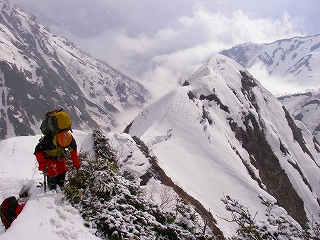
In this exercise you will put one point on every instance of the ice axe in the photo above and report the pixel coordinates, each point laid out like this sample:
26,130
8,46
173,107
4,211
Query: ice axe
45,180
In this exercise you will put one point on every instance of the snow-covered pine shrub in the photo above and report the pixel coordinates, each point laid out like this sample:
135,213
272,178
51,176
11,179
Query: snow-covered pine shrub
114,205
187,217
313,230
276,227
240,214
102,148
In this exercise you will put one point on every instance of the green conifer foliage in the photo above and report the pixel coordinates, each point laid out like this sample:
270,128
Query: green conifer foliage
114,205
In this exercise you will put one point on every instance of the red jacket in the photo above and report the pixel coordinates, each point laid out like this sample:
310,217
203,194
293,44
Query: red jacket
51,156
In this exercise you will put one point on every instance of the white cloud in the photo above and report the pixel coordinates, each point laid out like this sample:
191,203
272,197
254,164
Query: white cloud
277,85
158,60
235,28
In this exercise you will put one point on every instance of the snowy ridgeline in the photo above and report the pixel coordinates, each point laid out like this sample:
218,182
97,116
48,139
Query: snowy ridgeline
290,65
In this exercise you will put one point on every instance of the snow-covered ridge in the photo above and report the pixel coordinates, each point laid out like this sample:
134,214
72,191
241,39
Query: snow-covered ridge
294,63
224,134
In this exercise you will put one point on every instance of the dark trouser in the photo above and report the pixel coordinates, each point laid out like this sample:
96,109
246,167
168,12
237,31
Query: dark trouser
56,180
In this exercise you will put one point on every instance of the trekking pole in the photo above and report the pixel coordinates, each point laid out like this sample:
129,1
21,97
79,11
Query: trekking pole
45,181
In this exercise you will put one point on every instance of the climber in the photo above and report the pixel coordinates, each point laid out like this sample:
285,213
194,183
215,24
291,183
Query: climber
50,154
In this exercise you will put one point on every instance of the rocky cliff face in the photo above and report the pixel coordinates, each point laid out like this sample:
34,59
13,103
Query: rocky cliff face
40,71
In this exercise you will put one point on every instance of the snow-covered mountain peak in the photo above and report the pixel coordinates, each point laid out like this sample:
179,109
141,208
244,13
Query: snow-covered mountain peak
226,133
223,80
221,64
217,65
221,70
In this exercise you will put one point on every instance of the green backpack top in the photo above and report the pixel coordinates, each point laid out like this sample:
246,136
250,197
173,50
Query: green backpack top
56,121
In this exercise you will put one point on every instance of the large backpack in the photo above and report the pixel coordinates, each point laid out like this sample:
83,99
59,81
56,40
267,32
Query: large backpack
8,211
56,121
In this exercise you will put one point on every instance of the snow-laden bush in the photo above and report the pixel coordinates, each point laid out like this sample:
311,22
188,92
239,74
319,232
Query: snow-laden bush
114,206
276,227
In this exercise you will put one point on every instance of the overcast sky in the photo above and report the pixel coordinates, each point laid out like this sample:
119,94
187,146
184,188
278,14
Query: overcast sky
158,14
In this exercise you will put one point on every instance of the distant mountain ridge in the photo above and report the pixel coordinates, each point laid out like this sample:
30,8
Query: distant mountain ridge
40,71
295,59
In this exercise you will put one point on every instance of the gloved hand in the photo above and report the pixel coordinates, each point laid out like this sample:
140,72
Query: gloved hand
77,165
75,160
41,161
41,167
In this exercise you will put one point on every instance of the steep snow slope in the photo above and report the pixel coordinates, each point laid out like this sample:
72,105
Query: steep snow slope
226,135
